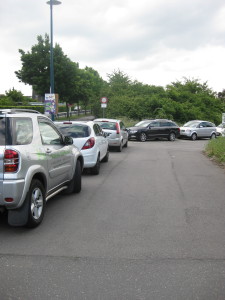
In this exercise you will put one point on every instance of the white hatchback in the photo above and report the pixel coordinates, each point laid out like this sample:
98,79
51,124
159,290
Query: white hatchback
89,138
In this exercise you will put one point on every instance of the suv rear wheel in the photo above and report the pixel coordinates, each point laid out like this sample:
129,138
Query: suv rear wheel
36,203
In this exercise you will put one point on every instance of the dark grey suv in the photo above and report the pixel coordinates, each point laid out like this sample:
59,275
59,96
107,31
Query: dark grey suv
36,163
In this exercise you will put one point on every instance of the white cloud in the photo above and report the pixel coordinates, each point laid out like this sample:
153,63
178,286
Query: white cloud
155,42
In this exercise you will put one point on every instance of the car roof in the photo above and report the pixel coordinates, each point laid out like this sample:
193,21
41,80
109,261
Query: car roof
75,122
19,111
106,120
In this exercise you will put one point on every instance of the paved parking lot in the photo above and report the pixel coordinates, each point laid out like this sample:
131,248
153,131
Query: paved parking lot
150,226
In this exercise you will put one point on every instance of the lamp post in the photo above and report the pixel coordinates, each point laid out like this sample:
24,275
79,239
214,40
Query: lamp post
51,3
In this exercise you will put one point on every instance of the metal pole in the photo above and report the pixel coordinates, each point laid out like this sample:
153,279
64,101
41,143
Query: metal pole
51,52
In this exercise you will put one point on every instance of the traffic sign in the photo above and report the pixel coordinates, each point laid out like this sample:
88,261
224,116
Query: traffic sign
104,100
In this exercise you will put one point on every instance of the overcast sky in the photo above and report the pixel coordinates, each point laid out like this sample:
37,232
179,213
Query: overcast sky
153,41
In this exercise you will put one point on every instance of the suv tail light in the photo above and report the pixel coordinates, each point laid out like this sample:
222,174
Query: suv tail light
11,161
89,144
117,128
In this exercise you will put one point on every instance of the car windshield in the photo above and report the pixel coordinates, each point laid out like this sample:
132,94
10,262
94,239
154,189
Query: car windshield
142,124
107,125
191,124
74,130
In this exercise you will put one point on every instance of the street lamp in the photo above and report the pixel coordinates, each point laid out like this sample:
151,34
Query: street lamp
51,3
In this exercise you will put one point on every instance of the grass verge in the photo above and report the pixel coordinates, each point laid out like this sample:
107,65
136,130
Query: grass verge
215,149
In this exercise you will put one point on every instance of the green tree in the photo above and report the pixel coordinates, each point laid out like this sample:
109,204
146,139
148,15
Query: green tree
35,69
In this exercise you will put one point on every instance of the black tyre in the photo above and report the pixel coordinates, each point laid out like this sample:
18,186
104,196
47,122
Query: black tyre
213,136
126,144
194,137
95,170
172,137
36,203
106,158
142,137
77,178
120,147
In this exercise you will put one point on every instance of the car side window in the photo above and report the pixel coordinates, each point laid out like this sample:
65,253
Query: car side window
23,131
49,135
209,124
202,125
165,124
154,124
97,130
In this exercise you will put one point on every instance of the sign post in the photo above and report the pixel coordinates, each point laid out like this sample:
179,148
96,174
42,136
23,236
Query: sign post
50,105
104,102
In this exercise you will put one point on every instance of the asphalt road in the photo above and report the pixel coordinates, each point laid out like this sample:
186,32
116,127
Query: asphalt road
150,226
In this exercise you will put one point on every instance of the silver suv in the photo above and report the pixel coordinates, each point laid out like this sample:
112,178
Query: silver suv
36,163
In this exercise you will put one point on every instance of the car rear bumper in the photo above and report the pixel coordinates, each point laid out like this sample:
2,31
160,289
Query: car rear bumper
114,142
90,158
11,189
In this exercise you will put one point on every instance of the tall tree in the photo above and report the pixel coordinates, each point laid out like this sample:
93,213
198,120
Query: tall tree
35,69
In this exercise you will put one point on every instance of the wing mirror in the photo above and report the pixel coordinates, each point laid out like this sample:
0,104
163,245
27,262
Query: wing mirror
68,140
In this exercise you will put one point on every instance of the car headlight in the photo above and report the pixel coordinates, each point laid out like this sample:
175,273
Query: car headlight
133,131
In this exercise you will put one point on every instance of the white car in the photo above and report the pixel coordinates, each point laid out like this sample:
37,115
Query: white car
115,131
220,130
198,129
89,138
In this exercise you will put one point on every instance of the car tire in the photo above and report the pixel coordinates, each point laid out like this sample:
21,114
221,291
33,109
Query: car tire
213,136
36,203
194,137
142,137
126,144
172,137
120,147
106,157
77,178
74,185
95,170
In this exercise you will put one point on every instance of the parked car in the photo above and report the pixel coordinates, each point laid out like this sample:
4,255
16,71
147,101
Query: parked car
89,138
152,129
36,163
220,130
197,129
115,132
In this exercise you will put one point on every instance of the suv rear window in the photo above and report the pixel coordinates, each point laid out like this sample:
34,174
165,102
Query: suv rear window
15,131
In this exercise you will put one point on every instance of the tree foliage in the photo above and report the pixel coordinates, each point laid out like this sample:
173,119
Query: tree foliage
181,101
35,69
